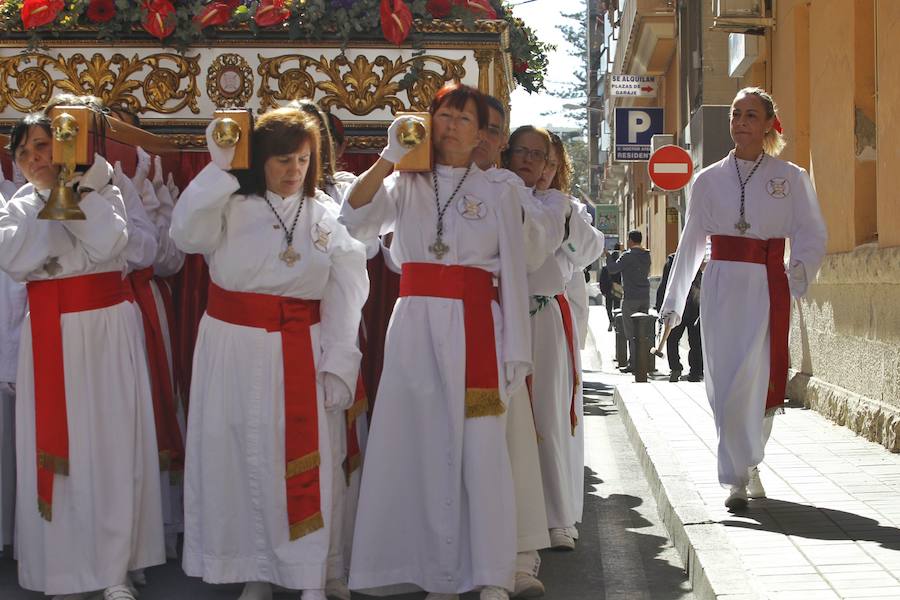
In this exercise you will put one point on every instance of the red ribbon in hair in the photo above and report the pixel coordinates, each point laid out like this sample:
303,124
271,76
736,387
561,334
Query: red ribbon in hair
777,125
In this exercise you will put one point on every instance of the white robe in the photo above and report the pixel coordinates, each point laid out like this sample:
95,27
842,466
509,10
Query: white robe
436,507
561,449
576,287
157,208
236,526
543,231
13,304
780,203
106,513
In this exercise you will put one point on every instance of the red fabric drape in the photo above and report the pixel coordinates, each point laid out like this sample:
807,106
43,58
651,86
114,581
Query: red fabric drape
189,287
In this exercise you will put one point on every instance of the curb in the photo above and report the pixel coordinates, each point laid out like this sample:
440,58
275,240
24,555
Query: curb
714,568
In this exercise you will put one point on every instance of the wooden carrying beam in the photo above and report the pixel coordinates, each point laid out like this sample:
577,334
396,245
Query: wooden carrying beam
115,133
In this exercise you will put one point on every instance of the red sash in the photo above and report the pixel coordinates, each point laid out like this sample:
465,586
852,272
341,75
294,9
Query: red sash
475,287
48,300
168,432
570,342
771,254
293,317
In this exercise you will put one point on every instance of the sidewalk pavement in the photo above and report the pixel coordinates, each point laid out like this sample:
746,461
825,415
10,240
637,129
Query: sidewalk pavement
828,529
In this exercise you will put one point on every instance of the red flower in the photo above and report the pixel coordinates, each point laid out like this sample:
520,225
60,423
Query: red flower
215,13
271,12
101,11
482,9
396,20
160,18
438,8
40,12
520,66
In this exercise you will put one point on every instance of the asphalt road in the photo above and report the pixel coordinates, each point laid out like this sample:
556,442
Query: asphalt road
622,554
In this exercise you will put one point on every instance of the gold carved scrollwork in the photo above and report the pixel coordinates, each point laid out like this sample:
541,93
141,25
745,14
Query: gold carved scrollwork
366,142
229,81
114,80
360,86
290,84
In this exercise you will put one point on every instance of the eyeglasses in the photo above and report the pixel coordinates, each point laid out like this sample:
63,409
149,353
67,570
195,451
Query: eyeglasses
528,152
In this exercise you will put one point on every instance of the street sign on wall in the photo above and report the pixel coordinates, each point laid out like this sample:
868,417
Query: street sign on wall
632,86
635,128
670,168
607,219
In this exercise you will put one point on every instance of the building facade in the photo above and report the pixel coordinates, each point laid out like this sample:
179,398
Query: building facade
831,67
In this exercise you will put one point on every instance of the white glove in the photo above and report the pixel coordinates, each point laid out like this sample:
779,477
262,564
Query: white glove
164,214
149,199
222,157
395,151
97,176
337,394
118,175
670,318
173,189
143,167
158,180
797,281
515,376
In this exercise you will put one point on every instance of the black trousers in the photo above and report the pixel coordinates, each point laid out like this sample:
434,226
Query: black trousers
695,355
611,303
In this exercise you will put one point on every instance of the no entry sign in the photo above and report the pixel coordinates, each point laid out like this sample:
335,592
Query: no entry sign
670,168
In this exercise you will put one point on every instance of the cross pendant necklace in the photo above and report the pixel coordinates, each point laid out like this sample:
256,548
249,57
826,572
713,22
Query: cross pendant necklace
742,225
439,248
288,256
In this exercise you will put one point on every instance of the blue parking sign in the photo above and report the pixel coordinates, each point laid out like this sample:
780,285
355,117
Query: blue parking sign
635,128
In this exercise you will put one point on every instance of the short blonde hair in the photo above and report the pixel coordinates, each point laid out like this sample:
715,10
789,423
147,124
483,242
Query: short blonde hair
774,142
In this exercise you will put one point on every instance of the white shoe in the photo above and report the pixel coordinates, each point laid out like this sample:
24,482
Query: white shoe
256,590
572,531
561,540
313,595
493,592
737,498
527,586
755,488
118,592
336,589
439,596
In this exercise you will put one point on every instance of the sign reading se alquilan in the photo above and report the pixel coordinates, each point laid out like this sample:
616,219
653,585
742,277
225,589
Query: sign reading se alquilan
635,86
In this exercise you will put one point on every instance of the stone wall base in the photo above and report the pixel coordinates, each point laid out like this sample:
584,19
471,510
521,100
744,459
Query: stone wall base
871,419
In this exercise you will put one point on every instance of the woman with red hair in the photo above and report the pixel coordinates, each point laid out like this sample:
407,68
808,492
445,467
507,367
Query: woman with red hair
436,495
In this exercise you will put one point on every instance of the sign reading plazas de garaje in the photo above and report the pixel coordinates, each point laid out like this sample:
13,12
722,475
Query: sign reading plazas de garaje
633,86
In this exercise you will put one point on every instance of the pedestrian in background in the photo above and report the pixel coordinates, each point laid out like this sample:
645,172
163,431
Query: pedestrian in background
634,265
690,322
611,286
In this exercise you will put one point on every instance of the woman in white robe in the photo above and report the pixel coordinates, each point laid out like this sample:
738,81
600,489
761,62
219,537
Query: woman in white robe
747,199
582,246
103,517
273,239
543,229
555,386
436,508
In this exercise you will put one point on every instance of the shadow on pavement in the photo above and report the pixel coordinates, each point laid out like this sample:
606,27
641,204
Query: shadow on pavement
804,520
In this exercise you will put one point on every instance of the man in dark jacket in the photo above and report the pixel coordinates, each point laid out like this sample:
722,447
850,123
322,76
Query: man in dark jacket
690,321
611,286
634,265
